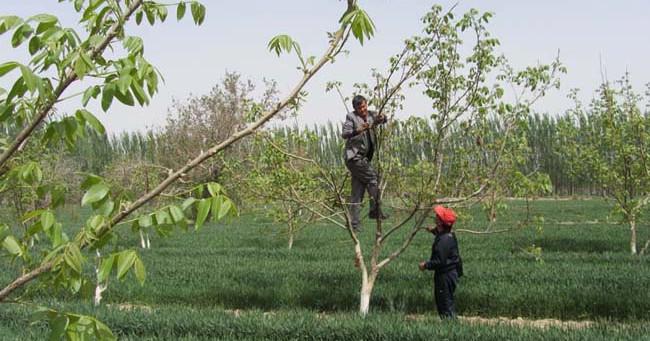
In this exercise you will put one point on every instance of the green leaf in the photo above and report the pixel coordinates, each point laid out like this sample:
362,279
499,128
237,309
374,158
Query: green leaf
198,12
105,269
187,203
203,209
78,4
145,220
95,193
138,17
152,82
12,246
162,13
81,67
176,214
7,67
226,206
134,45
34,45
126,98
9,22
216,204
90,180
73,258
58,327
17,90
361,25
89,118
93,92
31,80
125,261
96,222
281,43
21,34
4,232
180,10
162,217
140,273
44,18
107,96
214,188
139,93
104,207
102,332
47,220
151,16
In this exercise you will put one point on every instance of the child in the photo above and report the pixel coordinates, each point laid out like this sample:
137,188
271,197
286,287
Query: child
445,262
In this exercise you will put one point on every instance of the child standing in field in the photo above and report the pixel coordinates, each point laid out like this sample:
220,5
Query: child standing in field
445,262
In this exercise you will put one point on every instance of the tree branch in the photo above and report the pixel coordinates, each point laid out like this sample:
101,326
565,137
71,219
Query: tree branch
70,77
334,44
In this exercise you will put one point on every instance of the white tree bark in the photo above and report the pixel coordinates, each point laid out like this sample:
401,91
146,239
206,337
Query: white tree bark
99,288
633,237
367,284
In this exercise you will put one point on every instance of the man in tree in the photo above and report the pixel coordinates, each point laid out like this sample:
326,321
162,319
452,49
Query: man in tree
445,261
360,143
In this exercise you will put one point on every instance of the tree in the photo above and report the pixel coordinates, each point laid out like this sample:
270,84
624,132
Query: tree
274,176
609,142
451,159
129,79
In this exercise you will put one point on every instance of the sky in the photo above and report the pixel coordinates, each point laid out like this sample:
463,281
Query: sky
590,36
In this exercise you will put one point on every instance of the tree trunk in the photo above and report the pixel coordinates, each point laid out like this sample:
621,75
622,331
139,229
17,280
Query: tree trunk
99,288
290,223
367,284
633,237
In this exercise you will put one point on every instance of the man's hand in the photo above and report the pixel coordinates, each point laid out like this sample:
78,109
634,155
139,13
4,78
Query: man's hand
430,229
422,266
365,126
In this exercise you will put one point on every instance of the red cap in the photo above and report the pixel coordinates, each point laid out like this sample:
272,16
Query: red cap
446,215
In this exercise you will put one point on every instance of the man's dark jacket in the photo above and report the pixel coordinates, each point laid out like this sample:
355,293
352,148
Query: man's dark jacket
445,256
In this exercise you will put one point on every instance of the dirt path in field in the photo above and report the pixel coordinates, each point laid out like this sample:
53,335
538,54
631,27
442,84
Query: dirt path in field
517,322
520,322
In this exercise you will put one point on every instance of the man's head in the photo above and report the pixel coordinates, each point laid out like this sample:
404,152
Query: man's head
445,218
360,105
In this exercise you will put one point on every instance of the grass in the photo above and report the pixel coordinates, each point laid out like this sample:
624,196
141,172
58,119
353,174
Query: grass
194,279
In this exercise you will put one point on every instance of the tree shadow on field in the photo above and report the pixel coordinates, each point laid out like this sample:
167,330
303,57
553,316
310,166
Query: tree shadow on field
577,245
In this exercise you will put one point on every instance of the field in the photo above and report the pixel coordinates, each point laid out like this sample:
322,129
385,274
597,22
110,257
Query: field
237,280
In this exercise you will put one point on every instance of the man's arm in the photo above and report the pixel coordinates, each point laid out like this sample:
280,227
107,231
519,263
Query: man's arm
348,130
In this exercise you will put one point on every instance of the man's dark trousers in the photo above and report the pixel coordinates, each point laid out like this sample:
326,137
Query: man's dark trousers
444,285
363,177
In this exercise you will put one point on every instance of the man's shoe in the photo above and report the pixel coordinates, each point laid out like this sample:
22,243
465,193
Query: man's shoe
356,229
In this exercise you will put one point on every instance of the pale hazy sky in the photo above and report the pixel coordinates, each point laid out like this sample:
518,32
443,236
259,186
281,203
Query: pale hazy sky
235,34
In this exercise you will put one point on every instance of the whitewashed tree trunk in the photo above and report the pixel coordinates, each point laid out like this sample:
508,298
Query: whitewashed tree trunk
99,288
367,284
633,237
290,223
145,243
